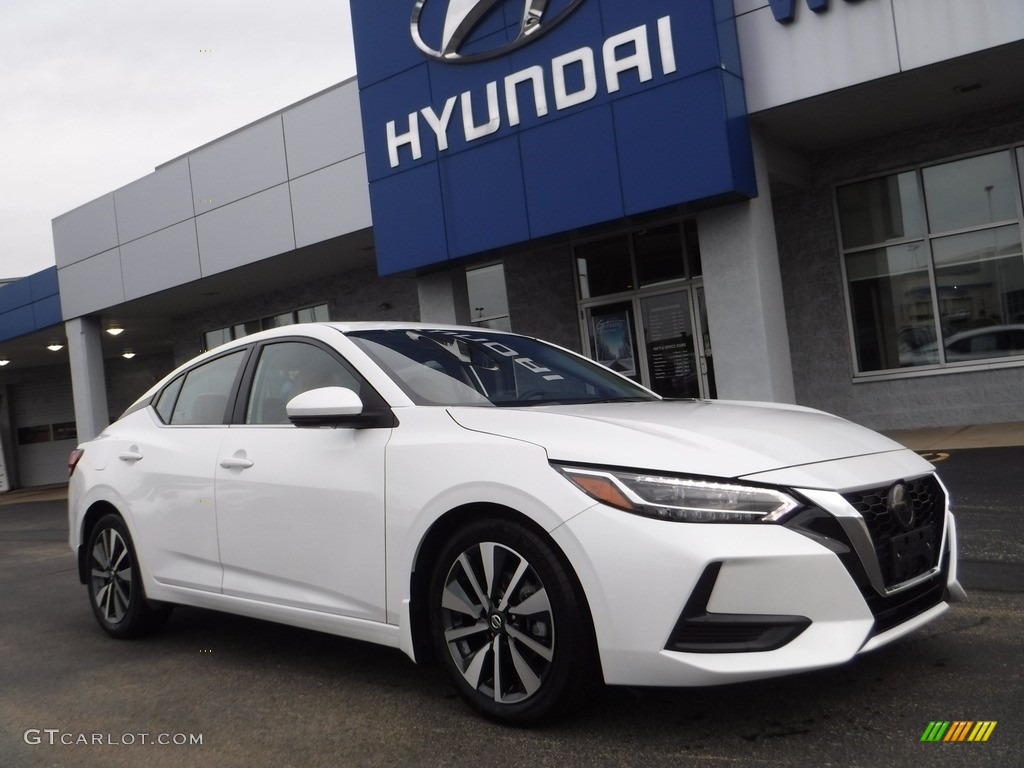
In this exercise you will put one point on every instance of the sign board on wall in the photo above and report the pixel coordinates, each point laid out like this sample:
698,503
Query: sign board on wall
493,122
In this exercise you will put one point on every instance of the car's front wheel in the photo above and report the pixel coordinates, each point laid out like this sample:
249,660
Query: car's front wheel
510,623
115,583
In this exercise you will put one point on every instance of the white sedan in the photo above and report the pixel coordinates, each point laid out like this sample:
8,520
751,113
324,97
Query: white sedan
533,520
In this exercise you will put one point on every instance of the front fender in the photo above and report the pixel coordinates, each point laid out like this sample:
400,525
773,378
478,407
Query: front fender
457,468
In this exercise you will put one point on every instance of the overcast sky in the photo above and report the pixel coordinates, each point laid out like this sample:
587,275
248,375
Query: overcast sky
96,93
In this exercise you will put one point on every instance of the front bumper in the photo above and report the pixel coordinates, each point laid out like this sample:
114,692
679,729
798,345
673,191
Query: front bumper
678,604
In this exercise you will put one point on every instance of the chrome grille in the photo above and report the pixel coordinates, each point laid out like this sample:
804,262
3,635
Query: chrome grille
904,552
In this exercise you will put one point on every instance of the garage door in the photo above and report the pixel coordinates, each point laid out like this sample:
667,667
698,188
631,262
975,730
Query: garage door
43,413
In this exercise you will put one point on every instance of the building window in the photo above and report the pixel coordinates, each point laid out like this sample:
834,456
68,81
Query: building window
488,298
640,259
934,266
315,314
32,435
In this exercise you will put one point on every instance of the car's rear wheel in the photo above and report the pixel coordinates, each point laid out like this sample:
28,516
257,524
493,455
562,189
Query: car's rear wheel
116,594
510,623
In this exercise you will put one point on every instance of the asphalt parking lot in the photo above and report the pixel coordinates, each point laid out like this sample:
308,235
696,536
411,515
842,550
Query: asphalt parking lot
258,694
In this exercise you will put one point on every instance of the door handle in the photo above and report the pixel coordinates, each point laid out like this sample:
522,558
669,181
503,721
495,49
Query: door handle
235,462
130,456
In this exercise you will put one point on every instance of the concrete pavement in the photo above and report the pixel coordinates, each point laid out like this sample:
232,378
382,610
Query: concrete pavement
42,493
946,438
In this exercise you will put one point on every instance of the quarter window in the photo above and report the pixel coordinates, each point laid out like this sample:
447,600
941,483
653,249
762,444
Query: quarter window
934,264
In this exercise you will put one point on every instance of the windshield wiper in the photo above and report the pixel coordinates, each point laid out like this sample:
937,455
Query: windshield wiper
630,399
570,401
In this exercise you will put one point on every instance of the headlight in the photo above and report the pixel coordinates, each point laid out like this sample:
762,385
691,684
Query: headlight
687,500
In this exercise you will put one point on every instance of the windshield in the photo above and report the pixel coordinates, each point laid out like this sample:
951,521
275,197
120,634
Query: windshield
486,369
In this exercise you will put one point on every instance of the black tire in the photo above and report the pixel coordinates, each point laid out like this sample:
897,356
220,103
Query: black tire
114,582
519,650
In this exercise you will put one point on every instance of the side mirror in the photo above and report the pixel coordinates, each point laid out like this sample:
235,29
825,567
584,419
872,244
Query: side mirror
333,407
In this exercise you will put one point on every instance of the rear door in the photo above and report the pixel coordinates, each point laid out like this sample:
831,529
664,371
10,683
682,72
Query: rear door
165,471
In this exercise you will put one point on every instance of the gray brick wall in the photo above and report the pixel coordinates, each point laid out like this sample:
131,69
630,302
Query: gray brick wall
814,293
128,379
541,298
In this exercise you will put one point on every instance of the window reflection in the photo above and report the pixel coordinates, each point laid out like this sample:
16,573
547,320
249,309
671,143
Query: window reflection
488,297
971,192
879,210
891,303
980,276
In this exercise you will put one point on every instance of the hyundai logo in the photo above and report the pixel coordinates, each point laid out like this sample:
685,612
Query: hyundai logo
464,16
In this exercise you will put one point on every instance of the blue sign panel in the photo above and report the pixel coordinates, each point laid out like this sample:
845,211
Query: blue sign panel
30,304
493,122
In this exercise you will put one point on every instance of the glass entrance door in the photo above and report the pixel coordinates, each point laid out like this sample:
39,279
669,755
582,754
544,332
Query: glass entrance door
670,345
660,339
642,311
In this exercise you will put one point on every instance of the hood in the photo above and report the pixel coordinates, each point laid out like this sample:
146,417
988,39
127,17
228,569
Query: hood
710,437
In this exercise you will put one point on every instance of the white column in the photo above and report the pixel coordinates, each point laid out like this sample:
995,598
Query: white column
743,287
444,297
88,382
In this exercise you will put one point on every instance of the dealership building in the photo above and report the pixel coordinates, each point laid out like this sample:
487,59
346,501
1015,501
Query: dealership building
794,201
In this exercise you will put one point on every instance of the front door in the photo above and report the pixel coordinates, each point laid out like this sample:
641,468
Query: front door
659,339
642,310
300,511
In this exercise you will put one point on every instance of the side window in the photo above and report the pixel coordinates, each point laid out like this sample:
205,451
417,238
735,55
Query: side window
203,398
288,369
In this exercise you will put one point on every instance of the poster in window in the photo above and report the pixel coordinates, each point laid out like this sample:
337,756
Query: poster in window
670,349
613,341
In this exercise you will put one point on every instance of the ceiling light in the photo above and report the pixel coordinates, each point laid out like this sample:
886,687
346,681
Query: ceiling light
114,330
128,354
54,346
4,361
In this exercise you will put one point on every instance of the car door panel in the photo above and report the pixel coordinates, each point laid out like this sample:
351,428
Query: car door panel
165,475
300,511
300,517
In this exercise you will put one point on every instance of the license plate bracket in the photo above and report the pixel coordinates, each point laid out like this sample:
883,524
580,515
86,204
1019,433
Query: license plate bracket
912,554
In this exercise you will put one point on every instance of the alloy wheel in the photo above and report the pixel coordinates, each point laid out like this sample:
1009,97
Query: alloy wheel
111,574
498,622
